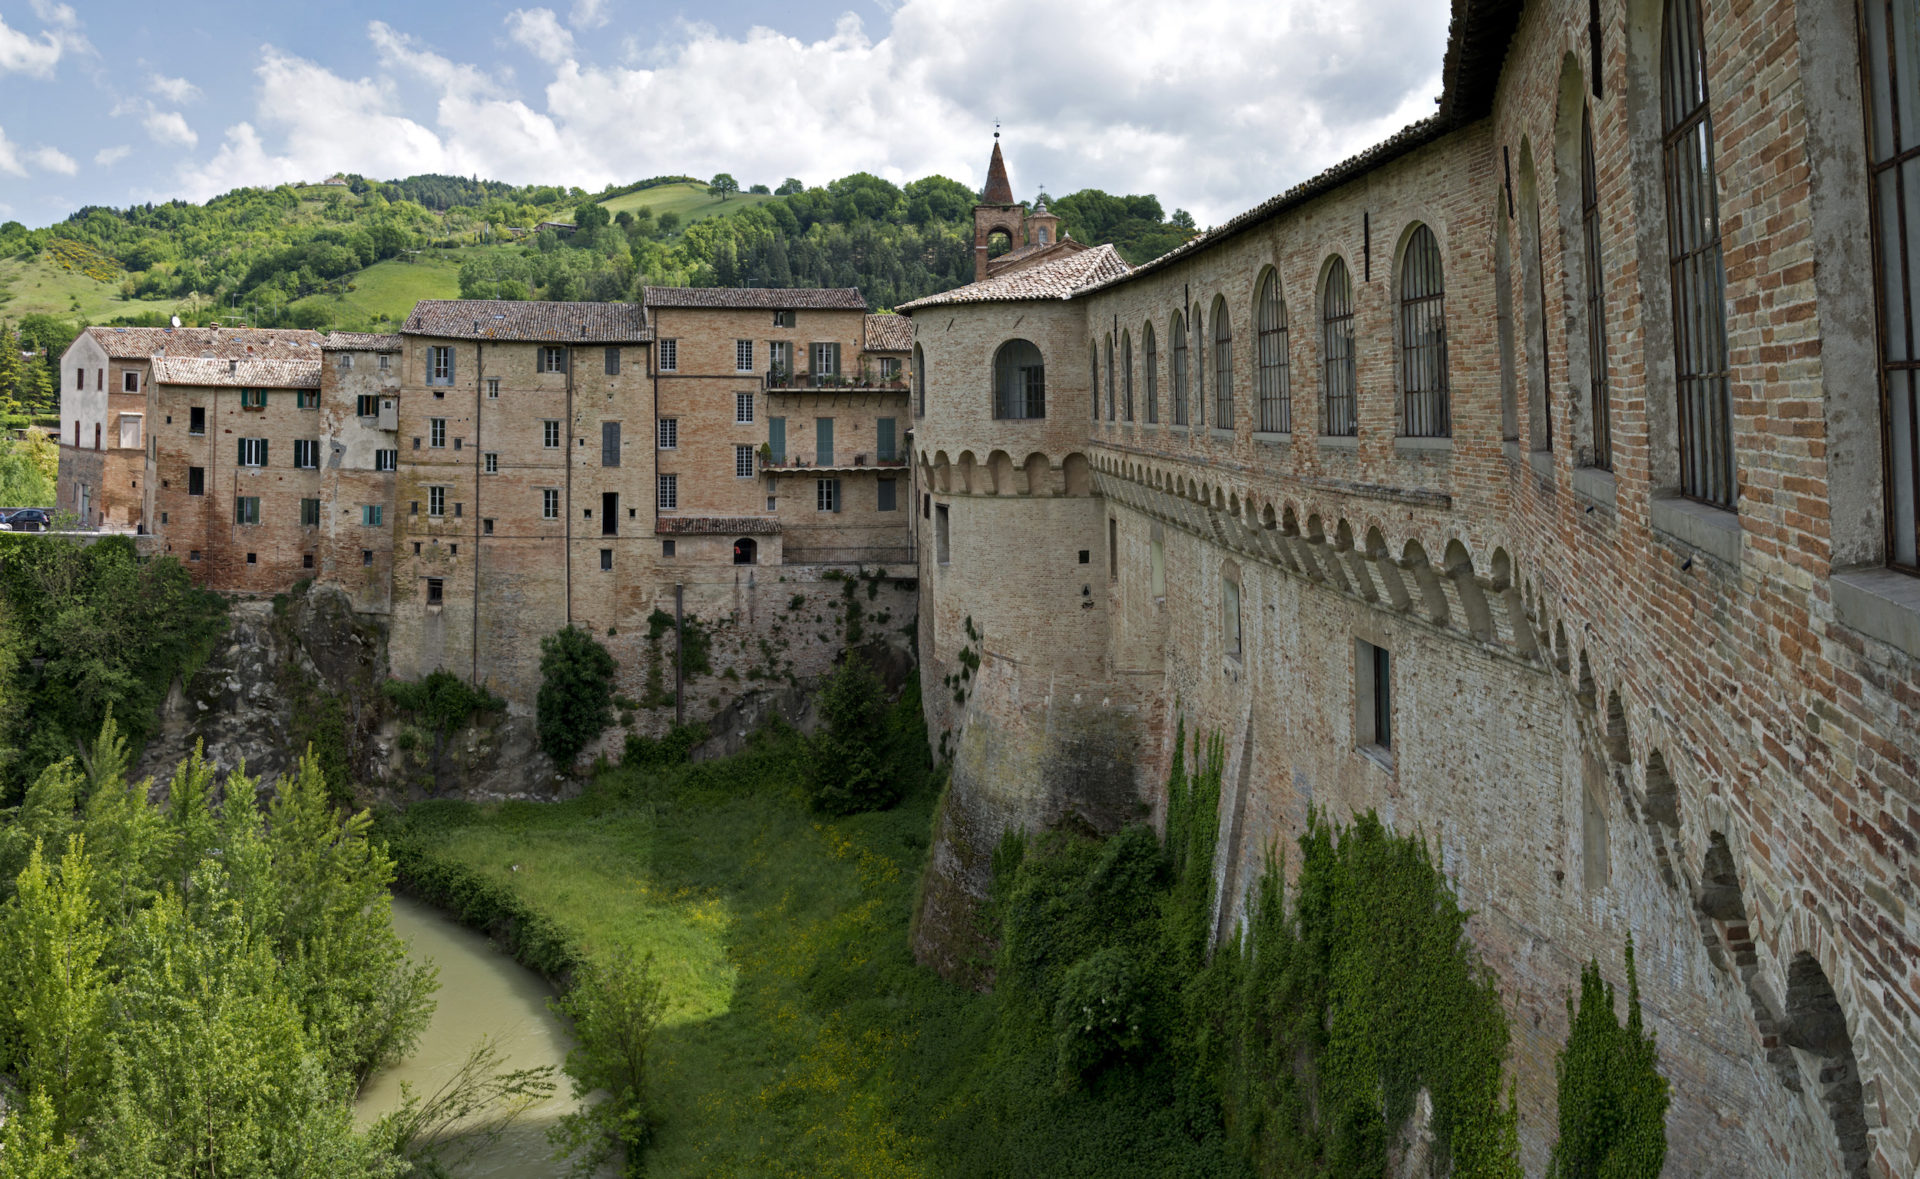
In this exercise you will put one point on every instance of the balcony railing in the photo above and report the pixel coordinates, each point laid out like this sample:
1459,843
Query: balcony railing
801,462
804,382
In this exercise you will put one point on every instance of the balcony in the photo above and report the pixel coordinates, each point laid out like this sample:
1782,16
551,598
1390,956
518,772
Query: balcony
777,381
859,461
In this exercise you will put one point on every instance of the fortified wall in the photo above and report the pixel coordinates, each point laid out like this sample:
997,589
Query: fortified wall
1529,479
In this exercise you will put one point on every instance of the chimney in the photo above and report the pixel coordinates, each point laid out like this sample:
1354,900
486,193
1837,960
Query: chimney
233,366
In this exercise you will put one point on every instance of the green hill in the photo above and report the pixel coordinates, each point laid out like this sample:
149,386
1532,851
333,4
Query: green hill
689,202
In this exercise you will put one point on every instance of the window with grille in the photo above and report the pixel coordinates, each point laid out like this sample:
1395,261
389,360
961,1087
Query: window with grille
436,501
246,509
669,433
1423,339
253,452
309,513
1110,406
1222,365
1019,381
386,460
743,462
490,462
669,352
549,503
1599,402
1892,53
743,356
1093,379
552,359
493,388
1152,374
743,408
550,434
306,453
436,432
1126,376
1196,329
669,498
1177,332
373,515
440,364
1336,320
1275,390
919,382
1697,271
826,495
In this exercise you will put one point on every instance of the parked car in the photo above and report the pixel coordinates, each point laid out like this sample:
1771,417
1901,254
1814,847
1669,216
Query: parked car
27,520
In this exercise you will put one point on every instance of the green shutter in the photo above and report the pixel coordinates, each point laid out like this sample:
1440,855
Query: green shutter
823,441
777,438
240,452
838,501
885,444
263,452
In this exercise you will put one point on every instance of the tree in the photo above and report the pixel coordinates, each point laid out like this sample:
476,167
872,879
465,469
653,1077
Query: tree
1182,219
615,1006
56,1006
723,185
760,190
589,216
1613,1100
847,760
788,187
575,701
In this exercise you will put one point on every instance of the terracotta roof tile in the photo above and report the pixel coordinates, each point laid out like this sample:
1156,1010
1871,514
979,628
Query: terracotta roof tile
753,298
249,374
888,333
360,342
997,191
507,319
1058,279
139,343
716,526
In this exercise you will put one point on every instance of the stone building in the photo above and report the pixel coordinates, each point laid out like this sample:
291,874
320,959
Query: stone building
1541,478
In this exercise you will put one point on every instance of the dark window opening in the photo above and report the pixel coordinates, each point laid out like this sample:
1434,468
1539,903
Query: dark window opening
745,551
609,513
197,420
196,480
666,548
436,591
606,560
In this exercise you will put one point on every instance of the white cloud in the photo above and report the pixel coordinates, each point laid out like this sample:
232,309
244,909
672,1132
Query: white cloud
23,54
52,159
9,158
1124,95
539,31
107,157
170,127
588,14
178,91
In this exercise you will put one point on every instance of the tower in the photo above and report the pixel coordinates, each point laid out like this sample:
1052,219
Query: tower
997,212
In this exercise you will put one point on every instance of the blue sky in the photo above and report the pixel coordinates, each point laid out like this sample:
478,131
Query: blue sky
1212,104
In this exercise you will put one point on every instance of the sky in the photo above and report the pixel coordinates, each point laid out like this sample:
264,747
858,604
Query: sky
1213,105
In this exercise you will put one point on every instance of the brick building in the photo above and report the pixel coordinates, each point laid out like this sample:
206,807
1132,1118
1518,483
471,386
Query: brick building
1540,478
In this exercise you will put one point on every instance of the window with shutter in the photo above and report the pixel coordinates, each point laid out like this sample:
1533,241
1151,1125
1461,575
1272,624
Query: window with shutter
885,498
883,440
823,441
609,444
777,439
613,362
309,513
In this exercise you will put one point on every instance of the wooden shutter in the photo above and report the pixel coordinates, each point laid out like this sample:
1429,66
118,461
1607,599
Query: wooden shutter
777,438
613,362
884,441
610,442
823,441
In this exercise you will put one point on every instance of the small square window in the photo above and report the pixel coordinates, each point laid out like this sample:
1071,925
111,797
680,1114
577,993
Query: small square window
306,561
486,526
193,555
493,388
666,550
416,548
606,559
385,362
1086,556
253,558
366,555
492,463
436,591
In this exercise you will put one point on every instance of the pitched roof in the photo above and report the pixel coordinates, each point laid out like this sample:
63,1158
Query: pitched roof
509,319
250,374
1057,279
755,298
716,526
888,333
998,191
139,343
1032,253
360,342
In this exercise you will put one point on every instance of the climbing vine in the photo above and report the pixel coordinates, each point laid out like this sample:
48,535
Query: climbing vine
1613,1100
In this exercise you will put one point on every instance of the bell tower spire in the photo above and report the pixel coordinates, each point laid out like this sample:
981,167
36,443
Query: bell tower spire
997,212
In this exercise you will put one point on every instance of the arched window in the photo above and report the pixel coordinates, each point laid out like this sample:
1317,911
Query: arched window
1177,332
1423,339
919,382
1596,299
745,551
1336,322
1152,374
1093,377
1222,365
1693,256
1276,394
1126,376
1109,377
1893,160
1197,326
1019,381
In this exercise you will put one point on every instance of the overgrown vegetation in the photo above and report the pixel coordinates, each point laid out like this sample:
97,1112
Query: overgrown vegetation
1613,1100
866,753
94,629
575,701
199,989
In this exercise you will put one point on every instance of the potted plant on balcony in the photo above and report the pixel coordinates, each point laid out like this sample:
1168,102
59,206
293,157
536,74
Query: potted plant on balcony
766,454
778,376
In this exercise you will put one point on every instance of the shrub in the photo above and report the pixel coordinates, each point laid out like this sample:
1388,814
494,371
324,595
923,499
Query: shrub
1613,1100
669,750
847,760
615,1006
442,701
575,702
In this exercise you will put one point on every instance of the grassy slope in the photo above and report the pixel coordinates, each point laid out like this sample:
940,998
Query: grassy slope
39,285
388,290
689,200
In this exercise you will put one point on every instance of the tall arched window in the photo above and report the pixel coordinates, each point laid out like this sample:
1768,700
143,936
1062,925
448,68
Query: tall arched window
1893,159
1222,365
1110,414
1276,394
1126,376
1093,377
1177,332
1019,381
1596,300
1196,324
1152,374
1336,345
1693,254
919,382
1423,339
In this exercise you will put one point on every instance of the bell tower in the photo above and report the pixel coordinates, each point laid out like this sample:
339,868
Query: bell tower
996,213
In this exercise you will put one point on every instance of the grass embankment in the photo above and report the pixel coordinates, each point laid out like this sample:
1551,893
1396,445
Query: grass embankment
690,201
383,294
38,284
